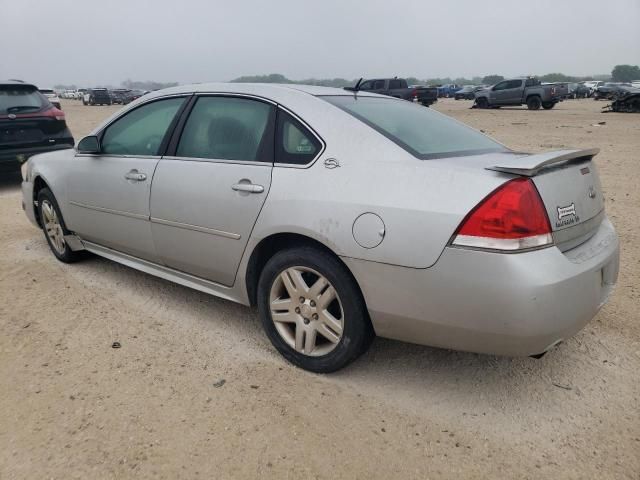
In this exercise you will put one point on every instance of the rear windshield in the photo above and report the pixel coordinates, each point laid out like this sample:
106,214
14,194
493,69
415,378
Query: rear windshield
421,131
20,99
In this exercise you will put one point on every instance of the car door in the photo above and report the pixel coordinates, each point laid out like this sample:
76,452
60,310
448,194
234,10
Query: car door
512,94
207,193
108,192
496,93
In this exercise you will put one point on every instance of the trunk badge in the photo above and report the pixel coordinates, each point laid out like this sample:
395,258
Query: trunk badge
12,116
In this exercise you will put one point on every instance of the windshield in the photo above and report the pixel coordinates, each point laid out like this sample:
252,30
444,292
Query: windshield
20,99
421,131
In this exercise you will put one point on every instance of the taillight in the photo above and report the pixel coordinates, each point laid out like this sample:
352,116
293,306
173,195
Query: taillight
55,113
511,218
415,93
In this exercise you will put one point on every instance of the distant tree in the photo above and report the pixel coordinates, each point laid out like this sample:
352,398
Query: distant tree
271,78
65,87
625,73
492,79
557,77
147,85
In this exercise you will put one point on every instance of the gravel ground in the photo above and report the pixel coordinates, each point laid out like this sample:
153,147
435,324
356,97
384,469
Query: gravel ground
196,390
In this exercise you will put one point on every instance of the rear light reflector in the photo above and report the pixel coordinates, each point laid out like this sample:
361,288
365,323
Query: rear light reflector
511,218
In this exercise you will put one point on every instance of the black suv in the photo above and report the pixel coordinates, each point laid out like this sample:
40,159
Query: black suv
29,124
97,96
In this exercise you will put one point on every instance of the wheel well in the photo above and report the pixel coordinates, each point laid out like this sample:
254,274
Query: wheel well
38,184
534,95
271,245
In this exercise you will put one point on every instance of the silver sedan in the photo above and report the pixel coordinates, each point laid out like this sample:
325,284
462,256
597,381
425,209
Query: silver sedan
341,215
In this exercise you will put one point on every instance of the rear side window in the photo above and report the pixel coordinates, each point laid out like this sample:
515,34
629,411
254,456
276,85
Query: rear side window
395,84
421,131
295,144
141,131
20,99
228,128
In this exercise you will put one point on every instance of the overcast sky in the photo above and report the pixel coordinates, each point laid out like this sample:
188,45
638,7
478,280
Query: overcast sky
93,42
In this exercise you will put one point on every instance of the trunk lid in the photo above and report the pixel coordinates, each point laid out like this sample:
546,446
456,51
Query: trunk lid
569,186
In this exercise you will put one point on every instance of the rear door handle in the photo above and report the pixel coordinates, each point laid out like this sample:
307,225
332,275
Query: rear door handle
247,187
135,176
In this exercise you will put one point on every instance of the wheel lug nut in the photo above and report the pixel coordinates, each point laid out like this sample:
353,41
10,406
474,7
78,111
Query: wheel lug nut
297,309
312,303
301,299
315,316
306,321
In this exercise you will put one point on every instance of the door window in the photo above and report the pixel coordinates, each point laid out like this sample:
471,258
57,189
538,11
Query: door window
228,128
378,85
501,86
295,144
514,84
368,85
393,84
141,131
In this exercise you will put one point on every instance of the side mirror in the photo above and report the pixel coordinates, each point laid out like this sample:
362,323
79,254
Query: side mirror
89,144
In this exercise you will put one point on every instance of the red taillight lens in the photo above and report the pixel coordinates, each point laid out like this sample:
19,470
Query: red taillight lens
55,113
513,217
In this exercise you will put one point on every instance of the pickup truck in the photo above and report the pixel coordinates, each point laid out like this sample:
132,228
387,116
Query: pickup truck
519,91
397,87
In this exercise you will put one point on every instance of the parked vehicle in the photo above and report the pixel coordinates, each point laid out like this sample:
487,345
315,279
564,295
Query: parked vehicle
448,90
51,96
466,93
579,90
398,88
97,96
609,90
132,95
118,95
593,85
29,124
262,194
518,91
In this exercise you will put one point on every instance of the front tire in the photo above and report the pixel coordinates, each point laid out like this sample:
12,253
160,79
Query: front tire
482,102
312,310
54,227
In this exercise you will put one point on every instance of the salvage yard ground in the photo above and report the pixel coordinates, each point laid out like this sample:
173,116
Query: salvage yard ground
197,391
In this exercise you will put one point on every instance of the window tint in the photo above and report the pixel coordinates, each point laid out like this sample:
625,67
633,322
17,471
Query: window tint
421,131
500,86
227,128
395,84
366,85
141,131
514,84
294,143
378,85
20,99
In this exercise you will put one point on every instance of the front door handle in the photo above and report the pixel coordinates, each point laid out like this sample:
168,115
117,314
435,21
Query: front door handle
247,187
135,176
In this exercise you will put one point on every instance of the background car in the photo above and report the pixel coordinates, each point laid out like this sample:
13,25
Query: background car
97,96
118,95
132,95
52,96
465,93
29,124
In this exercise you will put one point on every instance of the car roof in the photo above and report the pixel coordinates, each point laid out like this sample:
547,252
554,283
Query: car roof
16,82
268,90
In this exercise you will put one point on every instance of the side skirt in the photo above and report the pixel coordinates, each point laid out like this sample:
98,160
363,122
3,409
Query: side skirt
166,273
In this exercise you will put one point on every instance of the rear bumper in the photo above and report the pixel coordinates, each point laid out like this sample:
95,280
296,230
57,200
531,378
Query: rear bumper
505,304
11,159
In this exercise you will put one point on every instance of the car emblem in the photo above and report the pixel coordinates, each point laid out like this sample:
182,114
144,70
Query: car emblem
569,210
592,192
12,116
331,163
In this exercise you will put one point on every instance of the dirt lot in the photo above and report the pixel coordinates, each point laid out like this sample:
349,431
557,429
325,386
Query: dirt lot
73,407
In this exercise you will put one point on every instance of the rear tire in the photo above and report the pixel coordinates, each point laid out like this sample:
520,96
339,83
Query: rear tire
534,103
54,228
548,106
322,323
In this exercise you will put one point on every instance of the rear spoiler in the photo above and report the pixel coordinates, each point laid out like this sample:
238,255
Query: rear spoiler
530,165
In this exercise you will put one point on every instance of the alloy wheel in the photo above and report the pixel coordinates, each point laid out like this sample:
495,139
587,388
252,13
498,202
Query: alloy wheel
52,227
306,311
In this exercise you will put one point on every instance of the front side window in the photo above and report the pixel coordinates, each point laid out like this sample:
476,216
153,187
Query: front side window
295,144
368,85
500,86
421,131
227,128
141,131
514,84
